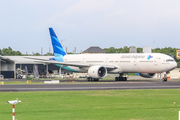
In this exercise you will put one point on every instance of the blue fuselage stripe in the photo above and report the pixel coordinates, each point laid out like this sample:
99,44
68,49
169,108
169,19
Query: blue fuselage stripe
67,68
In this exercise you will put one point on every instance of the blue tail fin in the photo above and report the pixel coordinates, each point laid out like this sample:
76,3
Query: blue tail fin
57,47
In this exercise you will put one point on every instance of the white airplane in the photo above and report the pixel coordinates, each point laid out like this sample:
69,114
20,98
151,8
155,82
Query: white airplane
99,65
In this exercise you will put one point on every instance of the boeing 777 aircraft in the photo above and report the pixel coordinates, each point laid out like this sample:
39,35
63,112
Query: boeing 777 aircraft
99,65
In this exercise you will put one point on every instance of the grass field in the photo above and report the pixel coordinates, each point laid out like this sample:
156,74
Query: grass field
92,105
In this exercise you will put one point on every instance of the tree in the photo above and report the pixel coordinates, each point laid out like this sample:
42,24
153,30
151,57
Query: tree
10,52
37,54
49,54
139,50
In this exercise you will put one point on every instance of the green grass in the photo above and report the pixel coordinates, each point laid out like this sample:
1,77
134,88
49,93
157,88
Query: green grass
92,105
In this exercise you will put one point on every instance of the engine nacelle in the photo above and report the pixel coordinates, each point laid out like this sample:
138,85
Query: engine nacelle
97,72
147,75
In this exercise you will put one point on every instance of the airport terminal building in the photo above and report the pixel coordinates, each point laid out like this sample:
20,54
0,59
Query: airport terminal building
10,65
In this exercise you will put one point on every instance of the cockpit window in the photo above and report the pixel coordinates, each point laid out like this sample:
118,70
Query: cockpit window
169,60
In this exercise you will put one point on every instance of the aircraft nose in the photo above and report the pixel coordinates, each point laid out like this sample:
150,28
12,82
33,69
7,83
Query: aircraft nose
175,64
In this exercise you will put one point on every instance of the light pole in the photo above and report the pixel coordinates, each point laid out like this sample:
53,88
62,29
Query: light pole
61,41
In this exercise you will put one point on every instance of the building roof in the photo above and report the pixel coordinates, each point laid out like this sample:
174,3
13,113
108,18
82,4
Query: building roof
4,59
94,49
25,59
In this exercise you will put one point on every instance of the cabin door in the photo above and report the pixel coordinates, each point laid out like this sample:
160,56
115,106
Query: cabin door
136,68
155,63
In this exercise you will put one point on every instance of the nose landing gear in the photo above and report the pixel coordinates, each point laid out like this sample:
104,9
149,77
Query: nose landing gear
165,78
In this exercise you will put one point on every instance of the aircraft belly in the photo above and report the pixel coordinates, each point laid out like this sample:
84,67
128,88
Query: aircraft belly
127,67
144,68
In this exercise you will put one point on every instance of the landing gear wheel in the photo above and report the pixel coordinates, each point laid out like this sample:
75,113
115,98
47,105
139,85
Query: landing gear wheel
164,79
120,78
92,79
124,78
96,79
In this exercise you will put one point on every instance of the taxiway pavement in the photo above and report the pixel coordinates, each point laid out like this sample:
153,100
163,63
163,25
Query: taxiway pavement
91,86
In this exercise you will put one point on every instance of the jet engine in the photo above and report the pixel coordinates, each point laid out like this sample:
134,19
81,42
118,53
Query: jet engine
147,75
97,72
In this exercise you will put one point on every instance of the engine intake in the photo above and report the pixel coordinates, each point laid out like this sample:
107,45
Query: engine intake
147,75
97,72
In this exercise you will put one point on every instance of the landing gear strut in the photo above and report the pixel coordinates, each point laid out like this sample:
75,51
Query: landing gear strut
92,79
120,78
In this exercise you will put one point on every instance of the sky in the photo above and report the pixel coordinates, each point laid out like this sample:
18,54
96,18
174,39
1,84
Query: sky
83,23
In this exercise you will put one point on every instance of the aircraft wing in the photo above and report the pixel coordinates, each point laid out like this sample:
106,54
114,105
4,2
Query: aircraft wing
69,63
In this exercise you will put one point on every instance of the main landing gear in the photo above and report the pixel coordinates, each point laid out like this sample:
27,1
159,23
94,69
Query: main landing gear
92,79
120,78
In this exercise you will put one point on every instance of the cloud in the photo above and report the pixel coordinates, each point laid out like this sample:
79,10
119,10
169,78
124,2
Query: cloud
116,16
144,15
115,13
88,6
88,20
79,12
